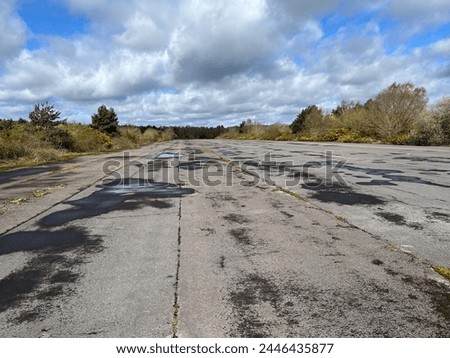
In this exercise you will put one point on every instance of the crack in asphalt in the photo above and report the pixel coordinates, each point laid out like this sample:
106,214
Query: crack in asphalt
176,306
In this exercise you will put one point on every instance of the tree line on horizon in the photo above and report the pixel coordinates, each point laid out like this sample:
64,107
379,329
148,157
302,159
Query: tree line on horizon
44,137
398,114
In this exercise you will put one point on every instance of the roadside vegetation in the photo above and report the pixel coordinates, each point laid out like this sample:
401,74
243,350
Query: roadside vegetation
44,138
397,115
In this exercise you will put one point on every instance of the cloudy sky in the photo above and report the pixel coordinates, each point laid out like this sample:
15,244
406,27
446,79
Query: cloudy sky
210,62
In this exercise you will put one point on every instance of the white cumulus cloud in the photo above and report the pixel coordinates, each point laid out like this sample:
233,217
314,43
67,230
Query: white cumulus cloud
219,62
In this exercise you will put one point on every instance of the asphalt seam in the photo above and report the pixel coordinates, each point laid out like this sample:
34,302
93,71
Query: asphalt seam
176,305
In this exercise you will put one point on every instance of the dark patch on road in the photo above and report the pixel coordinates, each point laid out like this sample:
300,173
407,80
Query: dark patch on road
279,156
439,294
277,204
415,226
336,254
17,285
117,195
50,273
439,216
377,182
228,153
398,219
391,175
241,235
429,173
412,179
289,216
64,276
123,156
193,151
218,199
391,272
348,198
424,159
294,174
160,204
29,315
250,292
241,158
441,300
342,195
50,293
24,172
201,163
377,262
236,218
371,171
393,218
248,183
26,241
209,231
315,155
433,172
222,261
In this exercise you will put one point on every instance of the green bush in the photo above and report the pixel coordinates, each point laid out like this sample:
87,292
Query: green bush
87,139
253,130
167,134
441,114
132,134
354,137
120,143
276,131
44,155
17,142
428,131
10,149
59,138
149,136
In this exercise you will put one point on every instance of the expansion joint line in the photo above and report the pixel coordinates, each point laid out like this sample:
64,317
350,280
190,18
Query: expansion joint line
176,306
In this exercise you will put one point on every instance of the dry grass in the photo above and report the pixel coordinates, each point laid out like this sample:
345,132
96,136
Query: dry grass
39,193
18,201
22,145
443,271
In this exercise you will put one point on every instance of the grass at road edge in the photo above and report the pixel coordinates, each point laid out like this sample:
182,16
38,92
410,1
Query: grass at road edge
441,270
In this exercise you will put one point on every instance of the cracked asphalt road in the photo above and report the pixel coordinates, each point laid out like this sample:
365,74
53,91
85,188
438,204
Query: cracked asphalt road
184,243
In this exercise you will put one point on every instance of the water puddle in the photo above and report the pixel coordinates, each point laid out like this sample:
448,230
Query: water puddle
165,155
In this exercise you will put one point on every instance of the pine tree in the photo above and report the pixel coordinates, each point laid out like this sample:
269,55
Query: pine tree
105,120
44,116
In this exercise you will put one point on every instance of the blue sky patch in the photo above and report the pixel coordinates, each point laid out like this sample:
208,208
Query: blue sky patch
49,17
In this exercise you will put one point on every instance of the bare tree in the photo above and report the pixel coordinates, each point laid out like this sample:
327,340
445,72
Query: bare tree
394,110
